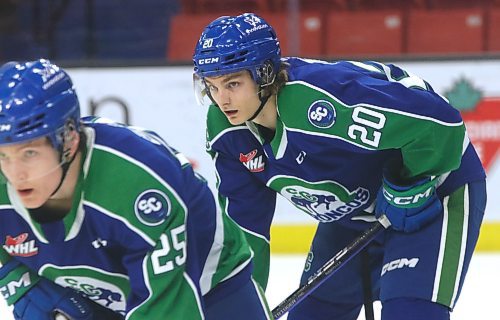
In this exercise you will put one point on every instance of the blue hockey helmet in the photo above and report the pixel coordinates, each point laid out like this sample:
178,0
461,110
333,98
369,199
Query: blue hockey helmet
234,43
37,99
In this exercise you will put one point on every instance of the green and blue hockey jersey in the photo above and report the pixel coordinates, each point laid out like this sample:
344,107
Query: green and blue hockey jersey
144,236
340,126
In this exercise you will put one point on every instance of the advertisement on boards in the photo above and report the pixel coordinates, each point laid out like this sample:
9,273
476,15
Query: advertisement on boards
162,99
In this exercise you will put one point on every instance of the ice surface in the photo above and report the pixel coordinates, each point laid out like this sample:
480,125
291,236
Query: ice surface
479,299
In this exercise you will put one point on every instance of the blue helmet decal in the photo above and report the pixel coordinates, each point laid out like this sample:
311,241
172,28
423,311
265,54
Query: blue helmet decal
37,99
152,207
321,114
234,43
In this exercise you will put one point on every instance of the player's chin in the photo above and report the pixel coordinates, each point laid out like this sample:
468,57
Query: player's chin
235,120
33,200
30,204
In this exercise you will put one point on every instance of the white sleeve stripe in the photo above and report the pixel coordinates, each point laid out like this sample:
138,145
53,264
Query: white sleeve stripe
366,105
122,219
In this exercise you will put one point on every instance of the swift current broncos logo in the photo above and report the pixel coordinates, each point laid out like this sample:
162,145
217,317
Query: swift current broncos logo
101,292
321,114
325,201
152,207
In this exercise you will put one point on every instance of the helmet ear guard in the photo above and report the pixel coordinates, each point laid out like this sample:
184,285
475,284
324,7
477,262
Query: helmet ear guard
65,137
265,74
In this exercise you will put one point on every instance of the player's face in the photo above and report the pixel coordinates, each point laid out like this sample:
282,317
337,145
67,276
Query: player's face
236,94
33,169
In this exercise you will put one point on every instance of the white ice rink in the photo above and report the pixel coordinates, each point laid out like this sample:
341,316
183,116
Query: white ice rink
479,298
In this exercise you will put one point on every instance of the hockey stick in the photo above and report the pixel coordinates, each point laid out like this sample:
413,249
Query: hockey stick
330,267
367,284
60,316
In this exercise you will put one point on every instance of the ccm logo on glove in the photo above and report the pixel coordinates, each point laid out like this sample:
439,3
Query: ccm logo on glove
408,201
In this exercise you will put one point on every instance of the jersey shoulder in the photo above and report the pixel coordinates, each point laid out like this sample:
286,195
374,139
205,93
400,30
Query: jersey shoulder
218,127
386,87
133,175
216,122
4,197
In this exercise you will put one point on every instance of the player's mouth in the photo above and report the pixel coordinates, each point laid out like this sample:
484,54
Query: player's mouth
25,192
230,113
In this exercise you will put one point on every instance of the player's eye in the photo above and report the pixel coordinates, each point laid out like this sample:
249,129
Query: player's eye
30,153
212,88
233,84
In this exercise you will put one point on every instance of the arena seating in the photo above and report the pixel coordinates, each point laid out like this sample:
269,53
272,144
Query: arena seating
328,29
445,31
363,33
356,28
185,30
493,32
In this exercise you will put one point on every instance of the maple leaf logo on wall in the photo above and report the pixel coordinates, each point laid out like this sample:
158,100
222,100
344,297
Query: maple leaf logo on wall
463,95
481,116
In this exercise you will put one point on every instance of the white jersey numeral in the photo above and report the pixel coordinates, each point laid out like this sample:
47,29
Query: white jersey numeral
177,241
366,126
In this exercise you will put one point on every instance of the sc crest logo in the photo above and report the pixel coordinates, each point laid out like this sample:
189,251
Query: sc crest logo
321,114
152,207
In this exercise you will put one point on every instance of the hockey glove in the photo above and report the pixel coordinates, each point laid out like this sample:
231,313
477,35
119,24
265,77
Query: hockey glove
46,299
35,297
410,207
15,280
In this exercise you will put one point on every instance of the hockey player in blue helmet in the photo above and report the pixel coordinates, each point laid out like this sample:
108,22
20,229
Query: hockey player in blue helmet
104,221
347,143
233,44
57,119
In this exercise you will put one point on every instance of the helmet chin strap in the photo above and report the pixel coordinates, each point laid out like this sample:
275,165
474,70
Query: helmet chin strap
263,101
65,168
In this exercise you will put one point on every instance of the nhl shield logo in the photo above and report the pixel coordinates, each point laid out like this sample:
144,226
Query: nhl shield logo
152,207
321,114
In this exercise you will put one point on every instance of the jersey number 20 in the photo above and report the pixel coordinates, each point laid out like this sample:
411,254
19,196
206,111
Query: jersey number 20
366,126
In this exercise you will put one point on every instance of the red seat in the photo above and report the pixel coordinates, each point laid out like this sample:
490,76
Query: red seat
307,34
445,31
222,6
364,33
185,30
312,5
493,40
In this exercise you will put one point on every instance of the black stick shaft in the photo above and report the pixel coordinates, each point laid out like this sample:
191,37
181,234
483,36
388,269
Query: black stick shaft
330,267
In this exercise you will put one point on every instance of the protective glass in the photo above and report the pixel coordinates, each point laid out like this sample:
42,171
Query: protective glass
23,163
201,91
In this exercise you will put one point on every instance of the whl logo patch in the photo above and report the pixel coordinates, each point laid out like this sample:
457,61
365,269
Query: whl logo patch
251,162
18,246
152,207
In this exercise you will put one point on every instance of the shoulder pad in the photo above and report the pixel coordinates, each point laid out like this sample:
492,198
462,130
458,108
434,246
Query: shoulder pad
216,122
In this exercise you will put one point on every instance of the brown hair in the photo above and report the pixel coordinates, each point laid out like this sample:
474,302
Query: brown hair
279,81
